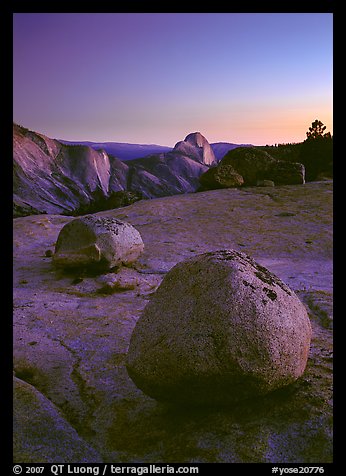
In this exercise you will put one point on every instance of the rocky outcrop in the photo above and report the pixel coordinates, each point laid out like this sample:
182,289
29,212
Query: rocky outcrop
174,172
55,177
287,173
255,164
97,242
197,147
223,176
52,177
252,166
219,329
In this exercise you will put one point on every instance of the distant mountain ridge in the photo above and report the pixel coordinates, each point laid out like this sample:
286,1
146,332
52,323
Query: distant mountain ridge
126,151
50,176
122,150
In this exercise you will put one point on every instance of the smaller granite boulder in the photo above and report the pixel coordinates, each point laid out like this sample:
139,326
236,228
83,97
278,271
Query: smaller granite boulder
223,176
220,328
100,242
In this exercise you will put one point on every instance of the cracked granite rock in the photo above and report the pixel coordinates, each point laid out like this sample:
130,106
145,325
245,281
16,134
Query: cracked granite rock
70,340
42,434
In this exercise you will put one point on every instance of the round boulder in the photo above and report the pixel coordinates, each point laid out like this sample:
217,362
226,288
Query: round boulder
220,328
94,241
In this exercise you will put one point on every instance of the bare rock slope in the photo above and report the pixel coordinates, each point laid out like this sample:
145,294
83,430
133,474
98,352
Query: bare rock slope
52,177
174,172
72,331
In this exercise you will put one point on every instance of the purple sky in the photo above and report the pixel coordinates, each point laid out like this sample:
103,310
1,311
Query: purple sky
153,78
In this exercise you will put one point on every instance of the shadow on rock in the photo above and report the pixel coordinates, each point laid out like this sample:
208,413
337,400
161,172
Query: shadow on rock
288,425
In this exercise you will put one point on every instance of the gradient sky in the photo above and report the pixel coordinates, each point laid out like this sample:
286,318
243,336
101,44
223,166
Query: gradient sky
259,78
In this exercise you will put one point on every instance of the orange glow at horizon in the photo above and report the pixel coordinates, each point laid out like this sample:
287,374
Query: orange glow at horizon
269,128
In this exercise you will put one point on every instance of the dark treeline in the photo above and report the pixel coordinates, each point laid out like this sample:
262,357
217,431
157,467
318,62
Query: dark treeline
316,152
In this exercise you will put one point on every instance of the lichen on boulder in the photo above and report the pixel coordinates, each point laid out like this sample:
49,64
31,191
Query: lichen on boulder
220,328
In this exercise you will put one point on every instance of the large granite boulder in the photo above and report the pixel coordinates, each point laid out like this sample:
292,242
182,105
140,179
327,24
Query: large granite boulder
220,328
255,164
99,242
